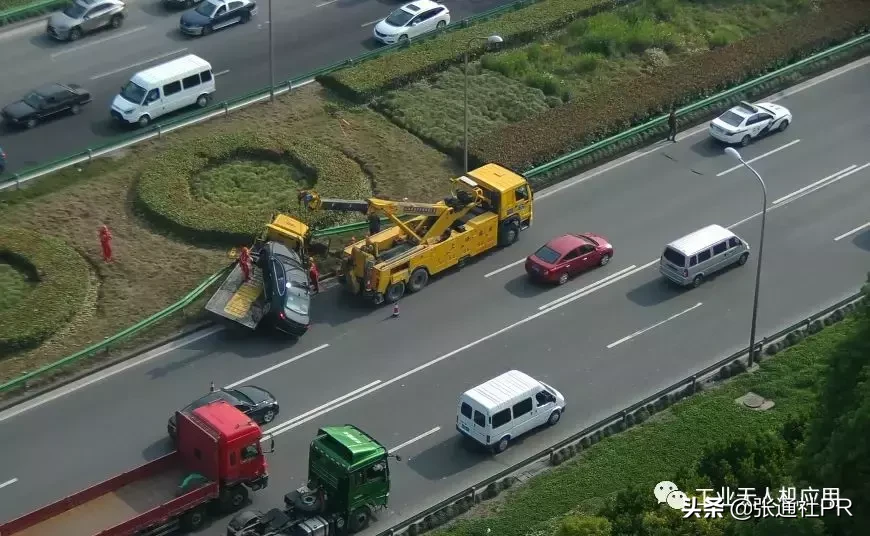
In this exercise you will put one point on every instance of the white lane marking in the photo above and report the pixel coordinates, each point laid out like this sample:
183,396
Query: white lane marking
97,42
853,231
363,25
138,63
414,439
503,268
12,481
594,284
657,324
321,4
109,372
759,157
299,419
221,73
277,366
818,185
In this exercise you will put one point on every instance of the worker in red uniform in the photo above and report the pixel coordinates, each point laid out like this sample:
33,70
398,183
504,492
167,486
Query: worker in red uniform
106,243
314,276
245,263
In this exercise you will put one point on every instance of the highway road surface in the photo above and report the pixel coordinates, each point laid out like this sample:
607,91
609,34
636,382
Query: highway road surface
308,34
605,339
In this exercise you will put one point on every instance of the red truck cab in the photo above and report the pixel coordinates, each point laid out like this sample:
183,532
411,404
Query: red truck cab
218,458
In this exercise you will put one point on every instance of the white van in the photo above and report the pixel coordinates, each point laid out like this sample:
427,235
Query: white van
694,257
506,407
163,89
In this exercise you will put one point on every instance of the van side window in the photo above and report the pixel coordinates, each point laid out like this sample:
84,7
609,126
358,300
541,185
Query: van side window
543,398
720,248
249,453
171,88
693,260
501,418
153,95
465,410
733,242
205,76
704,255
522,408
190,81
479,419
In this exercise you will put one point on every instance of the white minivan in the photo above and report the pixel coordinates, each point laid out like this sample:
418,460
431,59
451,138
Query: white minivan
163,89
506,407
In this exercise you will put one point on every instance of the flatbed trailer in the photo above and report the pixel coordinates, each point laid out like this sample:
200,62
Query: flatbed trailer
128,504
239,300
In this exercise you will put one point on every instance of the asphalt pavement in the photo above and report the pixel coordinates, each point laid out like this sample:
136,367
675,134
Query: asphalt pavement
308,34
604,346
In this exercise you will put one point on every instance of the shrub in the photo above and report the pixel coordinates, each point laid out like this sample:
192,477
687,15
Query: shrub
612,107
584,526
61,277
362,82
165,193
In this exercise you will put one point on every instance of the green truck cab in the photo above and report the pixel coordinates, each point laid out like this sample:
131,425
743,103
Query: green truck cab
348,480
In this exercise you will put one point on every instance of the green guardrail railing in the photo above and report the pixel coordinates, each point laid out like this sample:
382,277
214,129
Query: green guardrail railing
358,226
30,10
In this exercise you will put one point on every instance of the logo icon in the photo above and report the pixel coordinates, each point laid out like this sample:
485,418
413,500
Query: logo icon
667,492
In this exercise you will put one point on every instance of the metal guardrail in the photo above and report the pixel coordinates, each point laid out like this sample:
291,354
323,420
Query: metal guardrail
33,8
549,166
689,381
132,330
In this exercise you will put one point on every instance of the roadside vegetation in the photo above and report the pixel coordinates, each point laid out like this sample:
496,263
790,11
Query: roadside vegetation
814,436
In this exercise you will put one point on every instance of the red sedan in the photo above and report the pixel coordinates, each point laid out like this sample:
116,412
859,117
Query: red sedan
567,255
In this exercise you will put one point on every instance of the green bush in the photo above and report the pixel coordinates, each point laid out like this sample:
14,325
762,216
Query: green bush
362,82
9,5
584,526
613,107
60,275
233,209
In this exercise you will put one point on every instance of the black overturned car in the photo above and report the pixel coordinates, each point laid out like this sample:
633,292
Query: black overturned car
45,102
287,289
255,402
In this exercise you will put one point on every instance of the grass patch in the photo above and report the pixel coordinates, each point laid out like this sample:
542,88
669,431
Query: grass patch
8,5
15,285
676,439
153,269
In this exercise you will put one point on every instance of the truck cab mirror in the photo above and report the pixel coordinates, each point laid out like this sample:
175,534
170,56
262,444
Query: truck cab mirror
271,445
396,456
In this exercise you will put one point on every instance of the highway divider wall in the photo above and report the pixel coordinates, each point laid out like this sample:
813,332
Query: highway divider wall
636,413
30,10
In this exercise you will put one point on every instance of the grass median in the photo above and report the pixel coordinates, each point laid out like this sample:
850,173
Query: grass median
670,442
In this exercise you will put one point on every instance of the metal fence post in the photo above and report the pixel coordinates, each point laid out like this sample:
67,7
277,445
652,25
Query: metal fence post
226,109
159,131
17,181
90,155
694,379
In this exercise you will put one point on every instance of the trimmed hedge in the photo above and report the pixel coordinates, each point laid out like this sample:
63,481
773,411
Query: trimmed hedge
61,275
615,107
7,6
163,191
391,71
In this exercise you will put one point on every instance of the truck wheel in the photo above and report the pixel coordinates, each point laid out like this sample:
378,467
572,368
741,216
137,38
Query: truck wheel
359,520
502,445
233,498
193,520
395,292
509,233
419,278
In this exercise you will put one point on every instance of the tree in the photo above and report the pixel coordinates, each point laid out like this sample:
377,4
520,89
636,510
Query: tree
759,461
584,526
636,512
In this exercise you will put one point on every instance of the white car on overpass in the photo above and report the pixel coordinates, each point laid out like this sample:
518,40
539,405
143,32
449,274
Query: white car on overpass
746,121
412,20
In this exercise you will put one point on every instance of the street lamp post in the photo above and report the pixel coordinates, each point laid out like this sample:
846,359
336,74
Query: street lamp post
271,58
491,40
733,152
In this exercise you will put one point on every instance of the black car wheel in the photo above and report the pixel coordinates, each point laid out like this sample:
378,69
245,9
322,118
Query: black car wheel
206,30
116,21
31,123
75,109
268,416
75,34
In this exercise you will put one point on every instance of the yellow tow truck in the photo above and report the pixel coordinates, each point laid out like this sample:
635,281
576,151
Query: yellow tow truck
489,207
243,301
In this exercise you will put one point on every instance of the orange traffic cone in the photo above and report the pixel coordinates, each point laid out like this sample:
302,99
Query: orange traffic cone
396,310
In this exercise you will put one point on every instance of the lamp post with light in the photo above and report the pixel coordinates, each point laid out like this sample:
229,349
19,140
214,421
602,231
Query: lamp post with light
491,40
731,151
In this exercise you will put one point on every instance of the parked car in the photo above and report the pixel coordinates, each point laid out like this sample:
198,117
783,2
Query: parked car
287,288
567,255
253,401
412,20
745,122
45,102
86,16
213,15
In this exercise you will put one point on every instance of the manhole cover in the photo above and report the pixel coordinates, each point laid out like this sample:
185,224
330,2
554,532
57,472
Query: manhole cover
751,400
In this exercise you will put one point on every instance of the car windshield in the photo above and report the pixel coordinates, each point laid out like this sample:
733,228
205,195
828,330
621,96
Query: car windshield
731,118
34,99
75,11
399,17
206,9
133,93
548,254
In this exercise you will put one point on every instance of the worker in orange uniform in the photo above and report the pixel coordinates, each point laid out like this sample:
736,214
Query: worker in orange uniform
314,276
106,243
245,263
